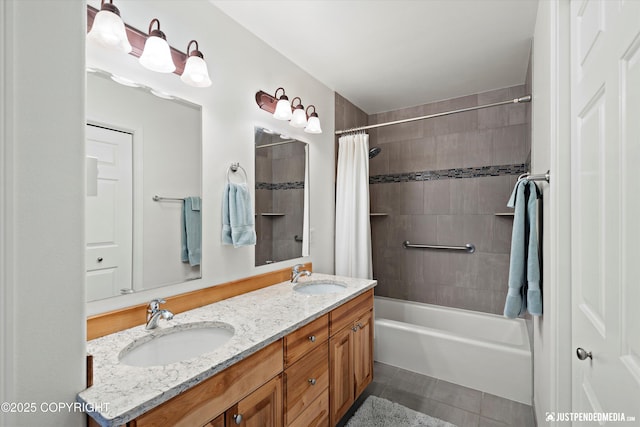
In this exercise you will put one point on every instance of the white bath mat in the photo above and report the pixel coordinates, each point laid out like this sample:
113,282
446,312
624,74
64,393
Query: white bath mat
378,412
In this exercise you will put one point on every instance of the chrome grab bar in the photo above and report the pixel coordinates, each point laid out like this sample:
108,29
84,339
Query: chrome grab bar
469,247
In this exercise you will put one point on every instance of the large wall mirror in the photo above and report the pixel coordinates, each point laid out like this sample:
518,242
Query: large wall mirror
282,197
140,145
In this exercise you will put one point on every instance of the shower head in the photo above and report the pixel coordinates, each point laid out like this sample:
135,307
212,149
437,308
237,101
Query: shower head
374,152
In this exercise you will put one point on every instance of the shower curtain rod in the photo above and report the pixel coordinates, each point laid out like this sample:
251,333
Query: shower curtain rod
520,100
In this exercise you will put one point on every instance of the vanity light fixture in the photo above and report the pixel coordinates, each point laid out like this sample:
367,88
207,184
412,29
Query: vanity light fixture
283,107
156,55
195,70
299,117
282,110
313,123
108,29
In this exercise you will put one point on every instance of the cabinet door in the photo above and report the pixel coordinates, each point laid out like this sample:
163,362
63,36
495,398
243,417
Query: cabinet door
218,422
262,408
363,353
341,380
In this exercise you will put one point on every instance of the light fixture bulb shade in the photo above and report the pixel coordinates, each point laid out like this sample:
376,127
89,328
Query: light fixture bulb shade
299,119
108,31
313,125
283,110
156,55
196,73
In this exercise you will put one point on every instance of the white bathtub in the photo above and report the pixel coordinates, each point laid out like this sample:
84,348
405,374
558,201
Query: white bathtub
478,350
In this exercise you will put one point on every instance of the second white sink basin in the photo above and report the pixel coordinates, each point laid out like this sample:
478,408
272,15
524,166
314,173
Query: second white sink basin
320,287
177,343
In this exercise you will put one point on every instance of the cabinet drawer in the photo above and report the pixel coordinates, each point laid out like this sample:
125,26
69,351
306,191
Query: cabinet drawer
305,380
316,415
349,312
305,339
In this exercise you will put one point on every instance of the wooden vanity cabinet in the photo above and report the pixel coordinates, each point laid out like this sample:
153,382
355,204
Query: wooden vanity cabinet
309,378
350,353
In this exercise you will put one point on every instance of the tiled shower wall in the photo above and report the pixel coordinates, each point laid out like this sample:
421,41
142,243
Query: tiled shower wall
451,201
433,180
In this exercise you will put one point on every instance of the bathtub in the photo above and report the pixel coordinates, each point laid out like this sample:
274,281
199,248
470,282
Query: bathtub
482,351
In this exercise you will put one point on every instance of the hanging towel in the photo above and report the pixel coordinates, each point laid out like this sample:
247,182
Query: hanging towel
237,216
191,231
524,268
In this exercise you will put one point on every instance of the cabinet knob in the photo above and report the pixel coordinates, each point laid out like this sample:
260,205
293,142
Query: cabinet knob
312,338
100,259
359,325
237,418
583,354
312,381
354,329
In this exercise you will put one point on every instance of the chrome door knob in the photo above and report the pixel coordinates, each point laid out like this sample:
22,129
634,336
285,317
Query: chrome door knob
312,381
237,418
583,354
312,338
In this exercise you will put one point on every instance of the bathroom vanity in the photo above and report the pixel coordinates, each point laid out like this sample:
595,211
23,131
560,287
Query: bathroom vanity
296,358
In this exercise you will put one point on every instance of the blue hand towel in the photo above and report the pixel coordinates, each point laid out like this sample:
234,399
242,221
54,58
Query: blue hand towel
524,267
226,220
237,216
191,231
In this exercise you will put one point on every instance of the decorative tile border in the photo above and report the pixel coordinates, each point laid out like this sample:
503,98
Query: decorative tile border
297,185
458,173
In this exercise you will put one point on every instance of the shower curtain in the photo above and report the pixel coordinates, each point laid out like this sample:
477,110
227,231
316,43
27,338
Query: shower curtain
353,232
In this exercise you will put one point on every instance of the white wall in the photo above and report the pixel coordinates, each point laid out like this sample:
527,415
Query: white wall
550,151
42,309
239,64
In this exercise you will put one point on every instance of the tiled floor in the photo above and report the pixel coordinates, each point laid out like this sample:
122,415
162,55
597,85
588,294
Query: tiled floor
459,405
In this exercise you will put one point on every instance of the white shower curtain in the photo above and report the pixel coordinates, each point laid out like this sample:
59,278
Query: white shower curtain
353,232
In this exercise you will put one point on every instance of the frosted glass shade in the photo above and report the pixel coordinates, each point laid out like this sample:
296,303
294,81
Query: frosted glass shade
108,31
195,72
156,56
283,110
299,119
313,125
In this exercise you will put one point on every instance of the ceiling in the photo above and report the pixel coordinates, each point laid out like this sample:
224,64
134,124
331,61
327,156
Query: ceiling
385,55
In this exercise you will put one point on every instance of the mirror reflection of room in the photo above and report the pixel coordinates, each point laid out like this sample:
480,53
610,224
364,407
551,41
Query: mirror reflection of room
143,223
280,194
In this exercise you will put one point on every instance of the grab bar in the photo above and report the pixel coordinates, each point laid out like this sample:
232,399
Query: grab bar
469,247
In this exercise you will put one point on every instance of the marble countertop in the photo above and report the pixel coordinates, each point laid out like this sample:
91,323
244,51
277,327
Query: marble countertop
121,393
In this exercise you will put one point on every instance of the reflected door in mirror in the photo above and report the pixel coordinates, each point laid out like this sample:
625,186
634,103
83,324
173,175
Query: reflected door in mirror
109,214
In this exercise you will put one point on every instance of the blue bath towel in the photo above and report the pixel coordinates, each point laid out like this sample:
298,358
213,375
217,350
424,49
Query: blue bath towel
237,216
191,231
524,268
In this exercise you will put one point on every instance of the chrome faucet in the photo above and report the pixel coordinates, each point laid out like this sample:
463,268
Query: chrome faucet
296,273
154,313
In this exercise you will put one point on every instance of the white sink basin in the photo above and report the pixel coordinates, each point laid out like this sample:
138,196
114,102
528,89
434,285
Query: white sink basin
320,287
175,344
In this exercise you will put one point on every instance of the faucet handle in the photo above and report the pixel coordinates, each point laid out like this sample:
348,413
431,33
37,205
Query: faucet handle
155,304
296,268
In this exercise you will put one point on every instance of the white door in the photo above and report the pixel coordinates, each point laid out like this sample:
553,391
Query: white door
109,215
605,115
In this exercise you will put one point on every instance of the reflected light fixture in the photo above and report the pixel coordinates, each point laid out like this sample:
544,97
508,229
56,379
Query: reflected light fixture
156,55
195,69
108,29
313,124
299,117
283,107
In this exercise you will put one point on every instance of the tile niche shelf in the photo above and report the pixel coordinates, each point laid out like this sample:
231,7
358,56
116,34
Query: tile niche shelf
506,214
378,214
272,214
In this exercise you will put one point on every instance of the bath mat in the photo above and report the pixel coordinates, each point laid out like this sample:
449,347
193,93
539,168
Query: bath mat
378,412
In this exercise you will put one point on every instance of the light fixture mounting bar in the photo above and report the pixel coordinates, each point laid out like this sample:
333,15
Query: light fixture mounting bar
266,102
137,39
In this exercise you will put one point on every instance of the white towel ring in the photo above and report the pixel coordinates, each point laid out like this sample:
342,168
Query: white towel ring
234,168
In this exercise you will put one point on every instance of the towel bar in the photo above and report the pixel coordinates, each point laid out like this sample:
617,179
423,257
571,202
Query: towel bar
535,177
157,198
234,168
469,247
